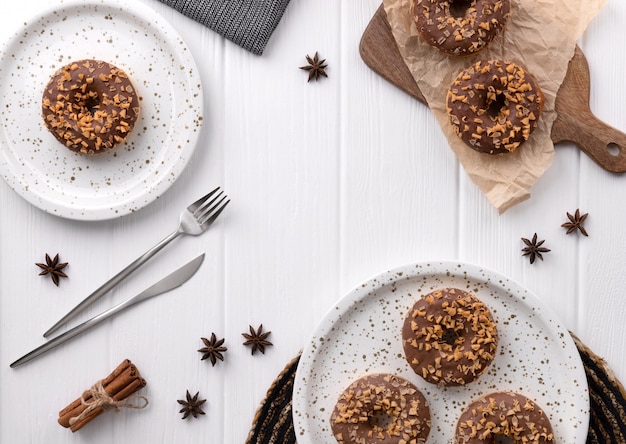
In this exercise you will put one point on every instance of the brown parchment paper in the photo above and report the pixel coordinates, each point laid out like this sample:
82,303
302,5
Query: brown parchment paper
541,36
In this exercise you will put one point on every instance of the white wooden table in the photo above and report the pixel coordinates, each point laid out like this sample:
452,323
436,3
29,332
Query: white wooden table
331,183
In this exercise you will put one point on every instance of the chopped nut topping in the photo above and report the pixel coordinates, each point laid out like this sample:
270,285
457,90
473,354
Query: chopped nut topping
500,414
459,31
77,106
381,406
450,337
506,99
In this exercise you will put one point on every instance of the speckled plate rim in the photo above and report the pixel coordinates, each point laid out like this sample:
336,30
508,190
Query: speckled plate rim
341,350
127,179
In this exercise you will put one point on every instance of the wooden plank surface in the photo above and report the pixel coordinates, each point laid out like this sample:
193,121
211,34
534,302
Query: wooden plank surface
331,183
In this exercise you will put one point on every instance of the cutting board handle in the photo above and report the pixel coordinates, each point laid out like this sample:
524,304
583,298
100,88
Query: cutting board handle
576,123
603,143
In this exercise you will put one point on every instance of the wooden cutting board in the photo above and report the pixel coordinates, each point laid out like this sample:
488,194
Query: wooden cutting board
574,123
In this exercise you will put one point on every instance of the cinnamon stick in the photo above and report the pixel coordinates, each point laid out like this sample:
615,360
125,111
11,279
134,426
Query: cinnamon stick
121,395
117,386
69,411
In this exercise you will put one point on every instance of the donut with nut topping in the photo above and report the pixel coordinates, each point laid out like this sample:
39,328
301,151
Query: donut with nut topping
460,27
494,106
90,106
381,409
449,337
503,414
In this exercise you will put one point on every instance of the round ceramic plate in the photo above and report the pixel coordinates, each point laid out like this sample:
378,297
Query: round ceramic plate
363,334
133,37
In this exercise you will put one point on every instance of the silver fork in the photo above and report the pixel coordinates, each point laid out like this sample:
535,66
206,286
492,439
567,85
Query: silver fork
194,220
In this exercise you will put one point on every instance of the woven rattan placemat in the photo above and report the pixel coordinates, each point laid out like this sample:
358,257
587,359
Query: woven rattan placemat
273,423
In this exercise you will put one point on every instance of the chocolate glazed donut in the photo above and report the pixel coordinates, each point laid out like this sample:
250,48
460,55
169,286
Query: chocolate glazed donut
449,337
503,414
90,106
460,27
381,409
493,106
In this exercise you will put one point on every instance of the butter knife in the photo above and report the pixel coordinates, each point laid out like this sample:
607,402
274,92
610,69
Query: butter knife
171,281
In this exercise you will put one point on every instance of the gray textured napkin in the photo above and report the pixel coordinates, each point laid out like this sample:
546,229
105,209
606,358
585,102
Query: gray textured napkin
248,23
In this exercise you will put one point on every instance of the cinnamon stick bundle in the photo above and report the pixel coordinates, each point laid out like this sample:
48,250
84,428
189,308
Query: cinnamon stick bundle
108,393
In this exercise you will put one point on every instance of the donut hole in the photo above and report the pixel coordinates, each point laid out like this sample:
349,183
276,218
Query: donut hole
449,336
380,419
502,439
458,8
494,107
92,104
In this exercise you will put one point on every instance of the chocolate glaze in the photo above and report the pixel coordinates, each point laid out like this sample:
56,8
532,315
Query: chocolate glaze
503,414
449,337
494,106
381,409
464,33
90,106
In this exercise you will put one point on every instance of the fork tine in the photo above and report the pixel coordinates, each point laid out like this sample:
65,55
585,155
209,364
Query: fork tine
209,217
202,209
194,206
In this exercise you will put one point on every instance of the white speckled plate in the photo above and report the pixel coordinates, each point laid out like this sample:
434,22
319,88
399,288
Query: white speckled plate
133,37
363,334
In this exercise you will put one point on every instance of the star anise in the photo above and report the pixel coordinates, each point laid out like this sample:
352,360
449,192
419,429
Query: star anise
191,406
316,67
213,350
257,339
53,268
576,223
534,248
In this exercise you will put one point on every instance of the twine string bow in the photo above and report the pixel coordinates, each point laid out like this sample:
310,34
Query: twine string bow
97,397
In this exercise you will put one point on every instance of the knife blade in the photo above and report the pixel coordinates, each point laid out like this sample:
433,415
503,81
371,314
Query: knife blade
170,282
